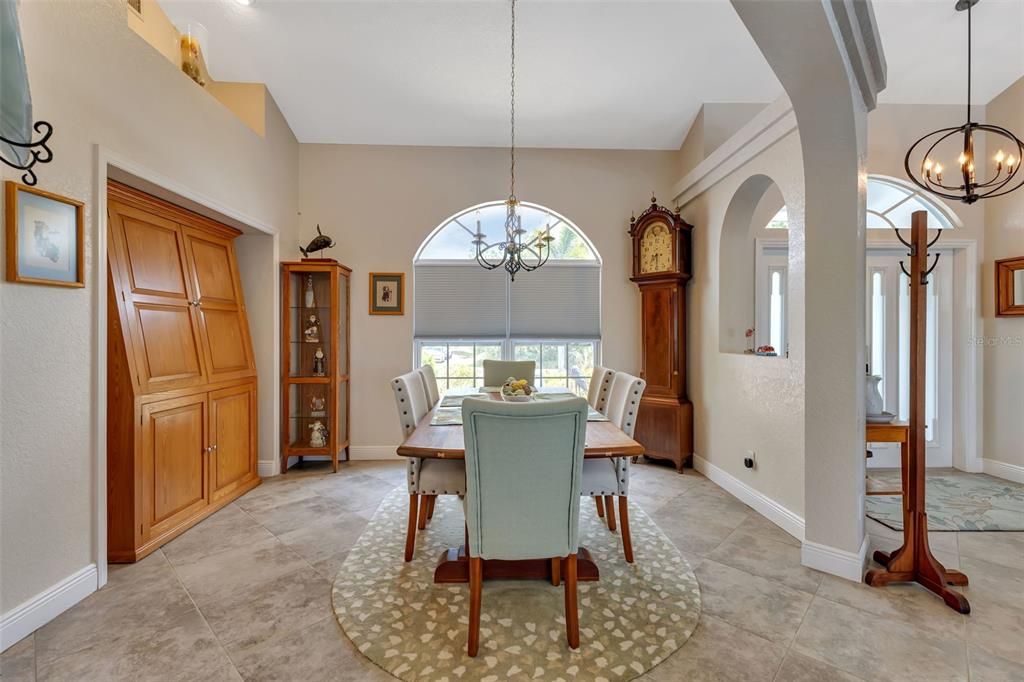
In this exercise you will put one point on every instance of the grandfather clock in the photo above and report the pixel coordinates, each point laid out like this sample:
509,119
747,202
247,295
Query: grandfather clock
662,265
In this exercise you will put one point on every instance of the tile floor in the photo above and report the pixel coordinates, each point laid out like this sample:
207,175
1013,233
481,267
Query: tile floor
246,595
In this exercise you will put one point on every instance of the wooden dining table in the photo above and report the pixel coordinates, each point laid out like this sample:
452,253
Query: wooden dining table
604,440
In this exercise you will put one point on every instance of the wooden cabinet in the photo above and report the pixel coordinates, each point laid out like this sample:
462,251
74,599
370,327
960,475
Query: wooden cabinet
314,360
662,266
181,378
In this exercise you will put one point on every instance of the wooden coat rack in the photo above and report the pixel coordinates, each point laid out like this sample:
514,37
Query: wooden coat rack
914,562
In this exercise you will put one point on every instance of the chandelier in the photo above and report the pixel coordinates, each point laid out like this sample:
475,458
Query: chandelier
516,252
965,186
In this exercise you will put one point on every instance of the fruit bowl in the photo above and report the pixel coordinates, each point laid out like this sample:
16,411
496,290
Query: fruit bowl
516,390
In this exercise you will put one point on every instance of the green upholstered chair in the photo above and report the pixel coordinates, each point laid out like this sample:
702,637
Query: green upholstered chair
497,371
609,478
524,462
427,478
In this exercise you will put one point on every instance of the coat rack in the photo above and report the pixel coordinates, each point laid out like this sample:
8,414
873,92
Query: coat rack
914,562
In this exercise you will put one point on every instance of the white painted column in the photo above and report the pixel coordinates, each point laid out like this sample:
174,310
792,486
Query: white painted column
828,57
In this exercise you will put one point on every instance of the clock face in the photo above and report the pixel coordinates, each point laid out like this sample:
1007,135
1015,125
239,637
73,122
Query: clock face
656,249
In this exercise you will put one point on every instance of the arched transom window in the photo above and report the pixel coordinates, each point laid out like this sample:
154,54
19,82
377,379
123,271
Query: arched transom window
464,314
890,203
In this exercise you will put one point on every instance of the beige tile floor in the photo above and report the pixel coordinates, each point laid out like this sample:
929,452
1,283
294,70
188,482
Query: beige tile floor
246,595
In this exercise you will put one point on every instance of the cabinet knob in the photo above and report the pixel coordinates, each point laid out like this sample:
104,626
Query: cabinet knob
208,449
675,372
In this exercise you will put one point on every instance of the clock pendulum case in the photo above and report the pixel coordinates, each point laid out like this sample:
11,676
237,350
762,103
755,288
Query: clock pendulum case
662,266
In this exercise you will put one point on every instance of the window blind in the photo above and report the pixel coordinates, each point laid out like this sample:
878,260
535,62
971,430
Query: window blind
459,301
557,301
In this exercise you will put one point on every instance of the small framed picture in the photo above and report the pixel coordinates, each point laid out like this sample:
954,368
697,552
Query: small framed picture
45,238
387,293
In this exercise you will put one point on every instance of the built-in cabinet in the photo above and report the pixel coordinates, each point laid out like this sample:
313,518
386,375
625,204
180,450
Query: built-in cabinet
181,379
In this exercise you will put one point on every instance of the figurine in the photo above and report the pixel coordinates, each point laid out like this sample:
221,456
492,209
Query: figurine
316,406
319,243
319,364
312,330
310,303
318,435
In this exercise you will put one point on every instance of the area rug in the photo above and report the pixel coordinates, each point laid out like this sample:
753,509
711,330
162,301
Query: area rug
956,501
630,620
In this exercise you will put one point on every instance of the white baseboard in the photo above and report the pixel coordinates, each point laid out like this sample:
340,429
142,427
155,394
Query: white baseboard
784,518
374,452
265,468
838,562
31,615
1011,472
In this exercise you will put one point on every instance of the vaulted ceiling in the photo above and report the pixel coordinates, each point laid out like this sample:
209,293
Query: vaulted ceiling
626,74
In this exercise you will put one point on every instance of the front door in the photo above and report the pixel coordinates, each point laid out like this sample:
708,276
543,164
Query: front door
888,351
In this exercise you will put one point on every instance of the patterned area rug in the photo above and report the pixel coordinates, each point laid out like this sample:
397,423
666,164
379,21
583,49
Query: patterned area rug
956,501
630,620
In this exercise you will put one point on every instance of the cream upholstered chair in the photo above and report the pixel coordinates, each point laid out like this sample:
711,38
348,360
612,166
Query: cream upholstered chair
609,478
538,445
497,371
430,384
428,478
600,383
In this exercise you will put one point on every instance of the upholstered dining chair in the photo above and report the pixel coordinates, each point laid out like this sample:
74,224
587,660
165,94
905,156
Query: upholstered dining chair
600,383
497,371
428,478
430,383
539,446
609,478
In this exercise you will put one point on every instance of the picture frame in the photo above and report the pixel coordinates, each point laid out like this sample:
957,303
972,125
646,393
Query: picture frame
45,237
387,293
1010,287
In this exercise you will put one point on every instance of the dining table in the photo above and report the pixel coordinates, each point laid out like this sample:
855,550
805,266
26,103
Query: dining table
439,435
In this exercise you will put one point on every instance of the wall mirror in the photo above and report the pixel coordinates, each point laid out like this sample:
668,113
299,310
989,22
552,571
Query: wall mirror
1010,286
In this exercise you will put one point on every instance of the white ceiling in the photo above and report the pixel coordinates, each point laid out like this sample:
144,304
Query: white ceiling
626,74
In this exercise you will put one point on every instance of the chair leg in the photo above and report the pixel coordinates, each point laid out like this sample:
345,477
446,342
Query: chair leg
424,503
476,583
627,540
431,499
410,534
609,511
556,571
572,614
599,502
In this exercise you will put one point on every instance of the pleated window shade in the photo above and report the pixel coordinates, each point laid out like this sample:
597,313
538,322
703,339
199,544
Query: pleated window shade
465,301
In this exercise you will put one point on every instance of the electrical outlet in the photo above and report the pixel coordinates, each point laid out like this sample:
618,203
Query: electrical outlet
750,460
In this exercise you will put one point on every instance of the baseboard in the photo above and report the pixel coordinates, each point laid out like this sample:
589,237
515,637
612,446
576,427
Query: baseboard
23,620
1011,472
267,469
782,517
374,452
838,562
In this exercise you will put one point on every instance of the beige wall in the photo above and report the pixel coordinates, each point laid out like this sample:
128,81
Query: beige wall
379,203
745,402
119,93
1004,336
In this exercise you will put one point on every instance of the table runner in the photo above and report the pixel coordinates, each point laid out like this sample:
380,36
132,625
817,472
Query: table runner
449,410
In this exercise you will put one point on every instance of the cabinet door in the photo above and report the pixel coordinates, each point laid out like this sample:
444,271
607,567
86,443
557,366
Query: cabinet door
659,327
232,438
148,264
174,462
221,309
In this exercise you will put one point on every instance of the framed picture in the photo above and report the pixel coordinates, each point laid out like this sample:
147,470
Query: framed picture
45,241
387,293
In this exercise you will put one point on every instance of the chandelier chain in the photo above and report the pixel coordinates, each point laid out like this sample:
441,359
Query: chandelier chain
969,62
512,147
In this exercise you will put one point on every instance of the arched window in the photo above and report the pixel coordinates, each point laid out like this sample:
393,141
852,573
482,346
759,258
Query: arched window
890,203
464,314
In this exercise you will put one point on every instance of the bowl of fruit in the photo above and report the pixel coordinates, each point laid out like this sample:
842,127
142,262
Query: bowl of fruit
516,390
